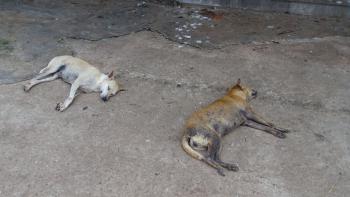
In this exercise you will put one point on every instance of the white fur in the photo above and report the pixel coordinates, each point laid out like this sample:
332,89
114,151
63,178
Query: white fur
80,74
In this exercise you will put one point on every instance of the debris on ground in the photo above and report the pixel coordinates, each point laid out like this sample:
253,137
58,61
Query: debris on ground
216,16
141,4
190,23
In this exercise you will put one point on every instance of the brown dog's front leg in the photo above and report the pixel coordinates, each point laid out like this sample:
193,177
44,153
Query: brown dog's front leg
252,115
273,131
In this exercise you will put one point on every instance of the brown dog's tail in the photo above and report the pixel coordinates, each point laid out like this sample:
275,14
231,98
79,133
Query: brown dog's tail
188,149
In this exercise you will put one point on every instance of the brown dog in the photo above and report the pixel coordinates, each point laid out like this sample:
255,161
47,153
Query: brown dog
205,127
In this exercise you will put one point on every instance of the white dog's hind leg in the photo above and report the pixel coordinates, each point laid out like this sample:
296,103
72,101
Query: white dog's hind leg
62,106
37,80
48,73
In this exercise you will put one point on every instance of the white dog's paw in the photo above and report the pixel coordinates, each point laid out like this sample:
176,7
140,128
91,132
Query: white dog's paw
60,107
26,87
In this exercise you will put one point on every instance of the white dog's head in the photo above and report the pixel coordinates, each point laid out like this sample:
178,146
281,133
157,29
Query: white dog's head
110,87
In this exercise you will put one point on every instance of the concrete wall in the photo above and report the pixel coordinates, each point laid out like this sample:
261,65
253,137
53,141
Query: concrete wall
339,8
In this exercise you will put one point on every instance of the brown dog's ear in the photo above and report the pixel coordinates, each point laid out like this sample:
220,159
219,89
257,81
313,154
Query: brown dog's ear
238,85
110,75
239,81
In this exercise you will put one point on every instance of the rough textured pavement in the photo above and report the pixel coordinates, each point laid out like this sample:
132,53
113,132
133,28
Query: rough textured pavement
130,146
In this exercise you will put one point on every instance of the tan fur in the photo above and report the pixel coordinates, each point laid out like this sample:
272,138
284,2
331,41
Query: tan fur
205,128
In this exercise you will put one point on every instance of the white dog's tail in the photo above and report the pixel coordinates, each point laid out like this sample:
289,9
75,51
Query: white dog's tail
43,70
52,69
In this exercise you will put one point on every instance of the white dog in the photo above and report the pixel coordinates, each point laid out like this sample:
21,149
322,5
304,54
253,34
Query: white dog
80,74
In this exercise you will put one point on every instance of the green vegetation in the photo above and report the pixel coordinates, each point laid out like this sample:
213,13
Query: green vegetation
5,45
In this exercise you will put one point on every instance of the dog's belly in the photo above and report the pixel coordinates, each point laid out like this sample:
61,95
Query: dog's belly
68,77
224,126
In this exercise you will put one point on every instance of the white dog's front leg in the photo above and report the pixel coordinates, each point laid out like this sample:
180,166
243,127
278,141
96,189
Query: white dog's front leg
62,106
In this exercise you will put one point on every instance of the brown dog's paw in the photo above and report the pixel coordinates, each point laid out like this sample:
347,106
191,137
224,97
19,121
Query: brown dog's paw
221,171
282,130
232,167
280,135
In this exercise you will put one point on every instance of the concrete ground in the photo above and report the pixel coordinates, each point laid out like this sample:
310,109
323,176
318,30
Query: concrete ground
130,145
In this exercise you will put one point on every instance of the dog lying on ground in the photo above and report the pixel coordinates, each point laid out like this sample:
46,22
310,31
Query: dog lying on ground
206,127
80,74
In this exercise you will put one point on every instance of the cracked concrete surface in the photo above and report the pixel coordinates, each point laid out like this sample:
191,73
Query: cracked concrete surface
130,146
34,29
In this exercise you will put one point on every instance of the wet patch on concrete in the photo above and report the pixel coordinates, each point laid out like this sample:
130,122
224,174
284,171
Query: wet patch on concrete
215,28
35,31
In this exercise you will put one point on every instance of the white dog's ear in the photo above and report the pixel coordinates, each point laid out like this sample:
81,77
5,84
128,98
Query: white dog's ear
110,75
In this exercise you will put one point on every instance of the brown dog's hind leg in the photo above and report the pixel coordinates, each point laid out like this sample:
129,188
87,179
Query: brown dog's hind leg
215,154
214,164
210,152
273,131
209,155
212,157
228,166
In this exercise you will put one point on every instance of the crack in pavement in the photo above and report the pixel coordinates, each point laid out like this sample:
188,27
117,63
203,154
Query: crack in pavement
147,29
104,38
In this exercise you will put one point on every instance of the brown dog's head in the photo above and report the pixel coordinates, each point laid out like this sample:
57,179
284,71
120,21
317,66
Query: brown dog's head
244,92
